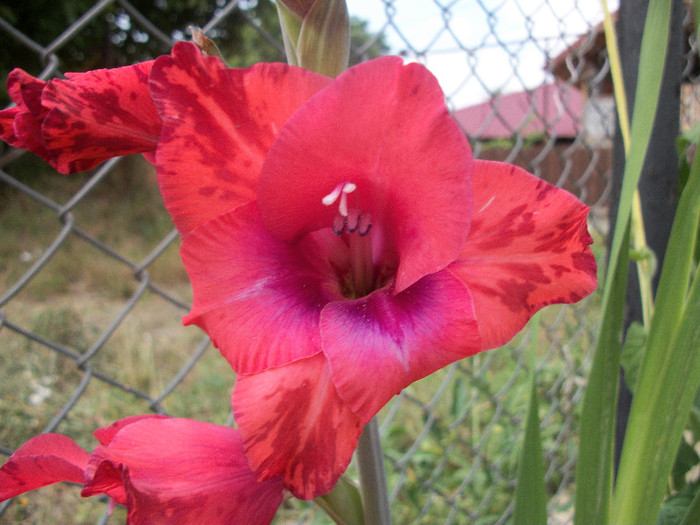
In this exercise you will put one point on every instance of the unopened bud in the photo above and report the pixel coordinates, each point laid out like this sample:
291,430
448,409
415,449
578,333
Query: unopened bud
316,34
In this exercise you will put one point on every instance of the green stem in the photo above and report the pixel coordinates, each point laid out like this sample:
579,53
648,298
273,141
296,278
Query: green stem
373,487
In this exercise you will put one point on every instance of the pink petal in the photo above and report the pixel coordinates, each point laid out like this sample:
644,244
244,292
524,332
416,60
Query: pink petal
7,131
381,343
98,115
294,425
218,125
105,477
25,91
528,247
105,434
188,472
258,298
384,127
41,461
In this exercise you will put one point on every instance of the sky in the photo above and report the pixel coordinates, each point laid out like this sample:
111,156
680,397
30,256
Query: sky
477,47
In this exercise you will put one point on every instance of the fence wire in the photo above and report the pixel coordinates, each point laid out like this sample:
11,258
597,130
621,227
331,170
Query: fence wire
92,289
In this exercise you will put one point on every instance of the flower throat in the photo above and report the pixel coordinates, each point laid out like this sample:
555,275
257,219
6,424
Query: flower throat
353,226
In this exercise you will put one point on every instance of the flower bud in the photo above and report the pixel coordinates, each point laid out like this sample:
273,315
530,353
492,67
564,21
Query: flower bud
298,7
316,34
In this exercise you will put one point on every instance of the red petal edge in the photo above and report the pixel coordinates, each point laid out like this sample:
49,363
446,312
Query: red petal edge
98,115
78,122
21,126
41,461
528,247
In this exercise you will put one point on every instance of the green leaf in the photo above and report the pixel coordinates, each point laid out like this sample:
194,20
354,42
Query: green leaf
594,465
674,509
632,352
596,448
686,145
694,419
459,398
686,459
530,496
669,374
651,66
692,515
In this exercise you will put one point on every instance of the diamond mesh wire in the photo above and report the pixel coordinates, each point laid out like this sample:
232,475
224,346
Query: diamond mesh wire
93,289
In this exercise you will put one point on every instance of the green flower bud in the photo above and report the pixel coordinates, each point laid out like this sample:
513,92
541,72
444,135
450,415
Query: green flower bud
316,34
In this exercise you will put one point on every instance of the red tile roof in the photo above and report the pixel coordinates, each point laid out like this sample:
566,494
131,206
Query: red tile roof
554,109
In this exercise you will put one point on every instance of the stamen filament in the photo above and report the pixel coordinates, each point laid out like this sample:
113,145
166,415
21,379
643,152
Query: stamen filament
343,207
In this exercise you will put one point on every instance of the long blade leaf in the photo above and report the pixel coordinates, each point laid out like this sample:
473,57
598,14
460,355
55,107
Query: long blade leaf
594,466
530,495
669,373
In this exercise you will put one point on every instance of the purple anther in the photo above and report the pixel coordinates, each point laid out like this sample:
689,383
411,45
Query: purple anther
352,221
364,223
338,224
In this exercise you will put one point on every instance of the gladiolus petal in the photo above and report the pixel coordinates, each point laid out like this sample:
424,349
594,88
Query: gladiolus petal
218,124
399,338
295,426
78,122
186,472
258,298
379,127
41,461
528,248
98,115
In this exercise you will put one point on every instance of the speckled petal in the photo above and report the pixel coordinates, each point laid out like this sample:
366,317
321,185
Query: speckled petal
528,248
218,125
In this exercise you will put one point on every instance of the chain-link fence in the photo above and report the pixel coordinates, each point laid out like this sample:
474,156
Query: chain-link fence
93,290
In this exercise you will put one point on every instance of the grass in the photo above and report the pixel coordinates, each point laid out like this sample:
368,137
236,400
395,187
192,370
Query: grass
71,302
451,457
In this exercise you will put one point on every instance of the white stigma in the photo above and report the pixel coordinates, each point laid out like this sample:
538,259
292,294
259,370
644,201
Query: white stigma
341,190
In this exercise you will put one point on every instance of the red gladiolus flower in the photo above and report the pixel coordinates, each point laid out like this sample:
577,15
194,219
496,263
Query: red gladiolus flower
363,250
174,471
342,243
